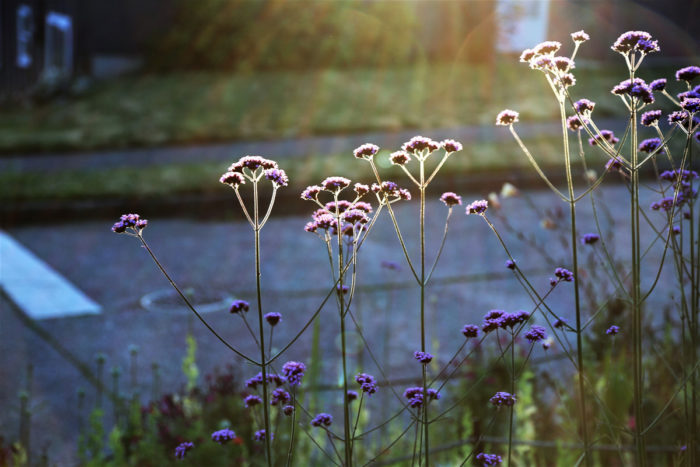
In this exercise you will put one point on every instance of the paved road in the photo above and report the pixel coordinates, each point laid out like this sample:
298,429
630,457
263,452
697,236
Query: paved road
215,257
273,149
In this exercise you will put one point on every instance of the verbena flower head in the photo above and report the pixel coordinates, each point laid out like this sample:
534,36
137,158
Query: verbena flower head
590,238
649,145
658,84
361,189
564,274
451,199
335,184
683,174
223,436
488,459
322,419
233,179
131,222
273,318
252,401
492,321
367,382
560,323
288,410
419,144
527,55
423,357
584,105
580,36
470,331
510,320
688,73
311,192
351,395
691,104
366,151
182,448
563,64
650,117
501,399
260,435
477,207
613,164
252,163
635,41
277,176
606,135
399,157
536,334
612,330
507,117
450,145
238,306
547,48
574,123
280,396
415,396
294,371
510,264
566,79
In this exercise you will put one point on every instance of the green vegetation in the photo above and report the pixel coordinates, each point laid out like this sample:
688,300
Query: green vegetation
196,107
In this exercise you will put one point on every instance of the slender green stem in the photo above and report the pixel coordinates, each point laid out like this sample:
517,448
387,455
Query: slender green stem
263,363
426,441
512,391
577,298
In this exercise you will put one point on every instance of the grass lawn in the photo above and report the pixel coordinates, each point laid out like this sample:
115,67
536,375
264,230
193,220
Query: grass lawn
205,107
168,180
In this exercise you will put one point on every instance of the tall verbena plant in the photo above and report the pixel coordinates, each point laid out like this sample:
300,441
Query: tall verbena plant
605,417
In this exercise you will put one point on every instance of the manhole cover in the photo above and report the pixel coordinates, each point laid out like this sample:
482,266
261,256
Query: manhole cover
203,301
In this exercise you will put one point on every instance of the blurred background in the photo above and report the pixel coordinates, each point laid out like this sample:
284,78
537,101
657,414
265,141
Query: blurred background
109,107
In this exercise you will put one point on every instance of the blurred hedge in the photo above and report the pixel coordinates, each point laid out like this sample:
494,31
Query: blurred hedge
303,34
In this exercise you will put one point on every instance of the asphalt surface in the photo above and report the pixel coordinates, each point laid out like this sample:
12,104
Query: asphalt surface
215,259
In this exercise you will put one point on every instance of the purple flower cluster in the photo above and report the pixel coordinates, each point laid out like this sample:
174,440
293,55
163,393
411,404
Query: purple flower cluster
182,448
496,319
273,318
612,330
423,357
233,179
501,399
536,334
580,36
415,396
688,73
294,372
564,274
574,123
651,117
658,84
632,41
335,184
351,395
277,176
367,383
691,104
322,419
451,199
366,151
477,207
260,435
606,135
223,436
420,144
470,330
650,145
253,382
685,194
399,157
252,163
674,175
510,264
637,88
288,410
251,401
130,221
389,189
238,306
584,105
590,238
488,459
279,395
450,145
507,117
